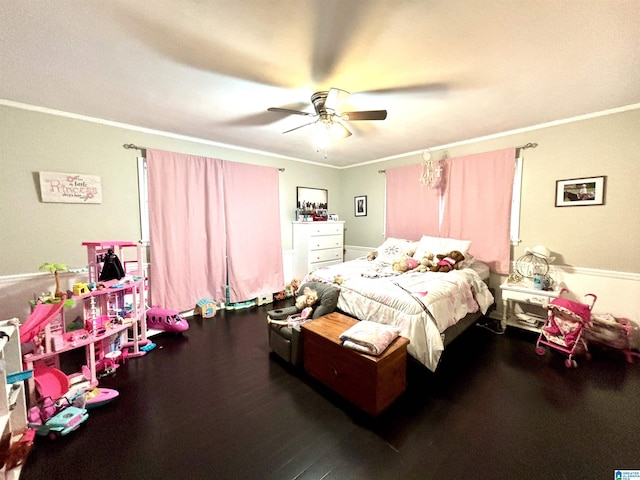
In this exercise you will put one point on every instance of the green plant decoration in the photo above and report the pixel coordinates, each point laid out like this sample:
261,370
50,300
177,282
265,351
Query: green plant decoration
54,268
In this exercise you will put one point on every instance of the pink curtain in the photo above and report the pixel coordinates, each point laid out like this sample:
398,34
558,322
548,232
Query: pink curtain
478,205
412,210
254,243
186,229
212,222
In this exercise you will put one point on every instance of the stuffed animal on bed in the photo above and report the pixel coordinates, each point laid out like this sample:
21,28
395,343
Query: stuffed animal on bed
448,262
404,264
372,255
426,263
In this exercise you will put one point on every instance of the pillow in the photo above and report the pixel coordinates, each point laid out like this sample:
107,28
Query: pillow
394,248
437,245
468,261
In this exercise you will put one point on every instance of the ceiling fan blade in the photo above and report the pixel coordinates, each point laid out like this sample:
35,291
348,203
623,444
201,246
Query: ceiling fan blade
364,115
338,130
289,111
336,98
296,128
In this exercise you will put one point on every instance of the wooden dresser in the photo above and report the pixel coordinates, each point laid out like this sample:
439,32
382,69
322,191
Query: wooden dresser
372,383
315,245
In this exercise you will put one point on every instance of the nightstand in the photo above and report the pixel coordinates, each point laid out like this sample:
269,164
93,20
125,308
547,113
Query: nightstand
525,307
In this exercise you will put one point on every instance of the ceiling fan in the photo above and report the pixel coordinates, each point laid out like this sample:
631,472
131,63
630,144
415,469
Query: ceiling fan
329,116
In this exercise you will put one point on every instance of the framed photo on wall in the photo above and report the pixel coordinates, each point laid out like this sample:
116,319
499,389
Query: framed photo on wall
360,206
576,192
311,199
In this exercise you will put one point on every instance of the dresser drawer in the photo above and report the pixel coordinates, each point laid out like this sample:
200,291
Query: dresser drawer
541,300
330,254
323,228
325,241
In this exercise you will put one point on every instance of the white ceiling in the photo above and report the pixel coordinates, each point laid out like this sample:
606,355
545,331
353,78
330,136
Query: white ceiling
446,70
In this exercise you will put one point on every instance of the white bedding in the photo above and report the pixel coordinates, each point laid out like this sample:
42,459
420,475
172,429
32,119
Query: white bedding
371,290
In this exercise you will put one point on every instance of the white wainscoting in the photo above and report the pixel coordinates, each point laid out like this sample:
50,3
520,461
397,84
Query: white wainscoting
618,292
17,290
287,265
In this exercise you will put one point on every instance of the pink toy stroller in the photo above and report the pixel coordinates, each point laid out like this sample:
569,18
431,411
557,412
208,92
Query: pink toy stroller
564,328
619,333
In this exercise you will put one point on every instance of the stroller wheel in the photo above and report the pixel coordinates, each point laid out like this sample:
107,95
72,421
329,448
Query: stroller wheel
539,350
570,363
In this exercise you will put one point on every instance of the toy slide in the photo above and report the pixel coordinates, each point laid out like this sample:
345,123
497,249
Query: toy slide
40,318
50,381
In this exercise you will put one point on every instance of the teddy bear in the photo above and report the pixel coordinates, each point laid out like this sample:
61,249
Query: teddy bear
448,262
372,255
289,290
404,264
426,262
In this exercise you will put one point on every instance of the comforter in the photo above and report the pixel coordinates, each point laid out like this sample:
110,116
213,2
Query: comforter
422,305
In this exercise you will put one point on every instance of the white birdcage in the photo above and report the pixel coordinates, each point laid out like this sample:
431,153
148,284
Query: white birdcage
535,262
531,264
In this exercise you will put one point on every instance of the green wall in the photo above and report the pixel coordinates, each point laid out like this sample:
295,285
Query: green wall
35,232
601,237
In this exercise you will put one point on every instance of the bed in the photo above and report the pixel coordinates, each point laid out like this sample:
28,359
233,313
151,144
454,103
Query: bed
430,308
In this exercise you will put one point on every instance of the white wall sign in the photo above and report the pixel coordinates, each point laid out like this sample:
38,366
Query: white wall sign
70,188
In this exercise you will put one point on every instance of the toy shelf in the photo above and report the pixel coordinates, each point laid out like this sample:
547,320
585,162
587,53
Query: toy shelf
110,311
79,339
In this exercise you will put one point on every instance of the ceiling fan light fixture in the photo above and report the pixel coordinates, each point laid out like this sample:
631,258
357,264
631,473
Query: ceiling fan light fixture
322,135
328,126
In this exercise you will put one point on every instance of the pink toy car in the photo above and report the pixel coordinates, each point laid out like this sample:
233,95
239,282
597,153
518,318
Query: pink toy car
166,319
54,419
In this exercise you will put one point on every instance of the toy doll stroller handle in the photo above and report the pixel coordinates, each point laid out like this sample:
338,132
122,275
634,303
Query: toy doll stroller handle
566,290
593,301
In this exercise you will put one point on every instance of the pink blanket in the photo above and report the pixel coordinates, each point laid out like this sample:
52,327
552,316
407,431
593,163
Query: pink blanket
369,337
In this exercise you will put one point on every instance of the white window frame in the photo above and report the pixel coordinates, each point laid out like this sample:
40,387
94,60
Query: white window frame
143,199
516,196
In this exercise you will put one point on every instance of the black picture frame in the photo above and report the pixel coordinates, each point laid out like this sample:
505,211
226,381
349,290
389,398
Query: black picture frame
580,192
360,206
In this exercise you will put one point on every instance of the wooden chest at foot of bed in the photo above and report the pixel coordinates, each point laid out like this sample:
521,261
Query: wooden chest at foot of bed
370,382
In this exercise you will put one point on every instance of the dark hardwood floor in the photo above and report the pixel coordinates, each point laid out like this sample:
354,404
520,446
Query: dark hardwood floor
214,403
